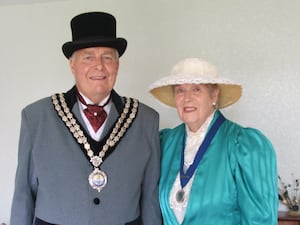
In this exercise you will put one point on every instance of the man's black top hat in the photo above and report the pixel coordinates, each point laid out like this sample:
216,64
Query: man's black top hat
94,29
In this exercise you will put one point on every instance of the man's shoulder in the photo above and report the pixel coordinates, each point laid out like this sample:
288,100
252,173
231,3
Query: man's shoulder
143,107
40,103
45,102
146,107
40,108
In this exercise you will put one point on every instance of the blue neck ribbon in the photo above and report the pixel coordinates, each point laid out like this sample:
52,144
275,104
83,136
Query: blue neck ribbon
186,176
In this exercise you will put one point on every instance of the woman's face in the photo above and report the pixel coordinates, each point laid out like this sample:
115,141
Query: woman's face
194,103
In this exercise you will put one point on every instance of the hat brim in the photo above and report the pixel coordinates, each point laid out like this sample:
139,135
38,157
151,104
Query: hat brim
118,43
229,94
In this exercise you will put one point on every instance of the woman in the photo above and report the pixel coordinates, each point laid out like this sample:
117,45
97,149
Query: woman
214,171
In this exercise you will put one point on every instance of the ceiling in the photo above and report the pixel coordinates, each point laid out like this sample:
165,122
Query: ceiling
15,2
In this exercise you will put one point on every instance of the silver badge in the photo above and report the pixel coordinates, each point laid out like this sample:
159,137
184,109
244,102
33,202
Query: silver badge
180,196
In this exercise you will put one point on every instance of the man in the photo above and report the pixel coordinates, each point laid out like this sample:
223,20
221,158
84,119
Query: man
74,172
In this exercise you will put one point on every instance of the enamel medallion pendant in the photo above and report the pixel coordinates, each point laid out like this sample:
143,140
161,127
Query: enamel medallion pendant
97,179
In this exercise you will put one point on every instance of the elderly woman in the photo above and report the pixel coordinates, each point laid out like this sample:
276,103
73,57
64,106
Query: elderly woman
214,171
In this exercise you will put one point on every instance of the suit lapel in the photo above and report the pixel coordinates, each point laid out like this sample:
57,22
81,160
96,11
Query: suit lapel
111,119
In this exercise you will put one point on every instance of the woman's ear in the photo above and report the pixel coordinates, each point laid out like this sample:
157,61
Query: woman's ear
216,93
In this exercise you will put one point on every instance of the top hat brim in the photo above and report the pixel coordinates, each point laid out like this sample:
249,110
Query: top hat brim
119,44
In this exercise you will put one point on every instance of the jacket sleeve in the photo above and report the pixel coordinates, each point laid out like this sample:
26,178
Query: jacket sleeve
256,178
150,205
22,211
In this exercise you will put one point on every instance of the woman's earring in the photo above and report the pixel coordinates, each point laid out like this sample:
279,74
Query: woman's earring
214,105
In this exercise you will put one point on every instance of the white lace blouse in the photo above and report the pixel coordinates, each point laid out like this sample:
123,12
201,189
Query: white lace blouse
193,141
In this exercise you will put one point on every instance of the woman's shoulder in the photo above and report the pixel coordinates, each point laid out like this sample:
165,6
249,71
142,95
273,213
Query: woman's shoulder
169,134
165,132
246,132
248,139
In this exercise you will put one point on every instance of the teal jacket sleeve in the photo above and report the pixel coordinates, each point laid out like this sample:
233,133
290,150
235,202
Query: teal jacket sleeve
256,178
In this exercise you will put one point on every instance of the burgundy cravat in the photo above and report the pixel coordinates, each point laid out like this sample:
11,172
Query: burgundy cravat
95,113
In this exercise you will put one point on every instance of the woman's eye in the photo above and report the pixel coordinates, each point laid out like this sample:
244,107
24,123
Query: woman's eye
196,89
179,91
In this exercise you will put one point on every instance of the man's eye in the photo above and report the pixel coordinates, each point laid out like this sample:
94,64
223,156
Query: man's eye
107,58
87,57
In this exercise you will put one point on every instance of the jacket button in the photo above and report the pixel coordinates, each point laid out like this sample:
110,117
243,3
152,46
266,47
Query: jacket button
96,201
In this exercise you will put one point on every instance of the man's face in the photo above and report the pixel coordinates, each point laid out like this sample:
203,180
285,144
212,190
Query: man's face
95,70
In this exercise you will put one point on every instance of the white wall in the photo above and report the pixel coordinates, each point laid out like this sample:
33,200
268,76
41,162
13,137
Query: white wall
254,42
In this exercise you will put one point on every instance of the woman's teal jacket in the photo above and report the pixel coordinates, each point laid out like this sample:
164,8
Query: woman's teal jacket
235,182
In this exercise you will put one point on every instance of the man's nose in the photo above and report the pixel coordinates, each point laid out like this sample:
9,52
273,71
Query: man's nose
99,62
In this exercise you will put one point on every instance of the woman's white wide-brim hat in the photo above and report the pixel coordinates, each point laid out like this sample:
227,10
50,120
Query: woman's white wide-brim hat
195,71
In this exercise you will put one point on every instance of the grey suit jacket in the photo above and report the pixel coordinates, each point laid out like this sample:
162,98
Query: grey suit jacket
52,174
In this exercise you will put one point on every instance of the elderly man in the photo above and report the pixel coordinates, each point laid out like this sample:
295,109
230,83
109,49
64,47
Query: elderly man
88,156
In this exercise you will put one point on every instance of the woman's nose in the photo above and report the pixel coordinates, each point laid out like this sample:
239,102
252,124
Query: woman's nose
187,96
